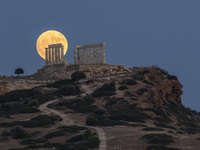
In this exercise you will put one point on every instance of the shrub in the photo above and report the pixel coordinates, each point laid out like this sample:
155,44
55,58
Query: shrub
71,129
129,94
34,103
33,141
147,82
6,133
89,82
141,91
172,77
54,134
163,125
68,89
79,104
91,121
123,87
93,142
87,134
131,82
162,139
152,129
99,112
41,121
77,75
18,132
27,110
157,147
111,102
4,139
76,138
107,89
60,83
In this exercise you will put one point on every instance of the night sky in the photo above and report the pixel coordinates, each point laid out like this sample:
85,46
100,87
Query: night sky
136,32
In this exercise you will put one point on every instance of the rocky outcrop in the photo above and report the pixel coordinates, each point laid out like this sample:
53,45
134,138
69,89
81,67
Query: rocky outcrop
167,87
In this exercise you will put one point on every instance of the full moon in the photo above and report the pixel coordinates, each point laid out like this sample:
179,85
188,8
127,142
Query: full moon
48,38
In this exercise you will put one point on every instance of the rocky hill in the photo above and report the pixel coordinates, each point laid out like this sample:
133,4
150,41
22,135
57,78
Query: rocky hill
135,108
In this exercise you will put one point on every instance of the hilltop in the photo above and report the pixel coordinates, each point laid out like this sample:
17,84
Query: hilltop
137,108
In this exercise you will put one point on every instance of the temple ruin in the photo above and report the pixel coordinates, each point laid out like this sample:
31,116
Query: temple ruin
54,54
90,54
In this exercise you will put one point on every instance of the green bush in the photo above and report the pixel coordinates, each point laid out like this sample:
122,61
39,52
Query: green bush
71,129
6,133
33,141
77,75
107,89
89,82
158,147
54,134
91,121
152,129
39,121
93,142
99,112
172,77
162,139
4,139
34,103
123,87
141,91
131,82
26,110
163,125
60,83
76,138
148,82
68,89
18,132
82,105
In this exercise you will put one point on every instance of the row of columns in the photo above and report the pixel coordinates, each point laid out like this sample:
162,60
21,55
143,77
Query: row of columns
54,54
90,54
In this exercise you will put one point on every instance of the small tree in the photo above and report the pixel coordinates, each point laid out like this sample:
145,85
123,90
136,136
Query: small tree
18,132
77,75
19,71
68,89
93,142
91,121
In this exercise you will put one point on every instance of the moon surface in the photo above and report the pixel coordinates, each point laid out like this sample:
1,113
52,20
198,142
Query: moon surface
48,38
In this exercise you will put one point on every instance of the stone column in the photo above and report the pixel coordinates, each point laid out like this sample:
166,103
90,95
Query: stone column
104,57
52,55
62,54
84,59
78,56
94,55
91,56
101,60
88,55
58,54
75,56
81,55
46,56
97,55
49,55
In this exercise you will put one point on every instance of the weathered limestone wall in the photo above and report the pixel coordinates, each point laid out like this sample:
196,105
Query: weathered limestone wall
10,85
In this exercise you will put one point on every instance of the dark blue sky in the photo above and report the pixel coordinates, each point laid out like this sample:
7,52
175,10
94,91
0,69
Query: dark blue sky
136,32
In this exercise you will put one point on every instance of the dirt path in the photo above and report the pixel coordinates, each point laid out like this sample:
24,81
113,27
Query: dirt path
68,121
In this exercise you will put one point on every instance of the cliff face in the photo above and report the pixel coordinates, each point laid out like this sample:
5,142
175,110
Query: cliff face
167,87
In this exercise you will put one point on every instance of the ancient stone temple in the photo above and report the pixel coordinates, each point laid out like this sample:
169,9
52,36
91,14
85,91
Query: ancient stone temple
90,54
54,54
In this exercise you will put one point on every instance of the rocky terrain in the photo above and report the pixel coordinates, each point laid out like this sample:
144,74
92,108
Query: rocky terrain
112,108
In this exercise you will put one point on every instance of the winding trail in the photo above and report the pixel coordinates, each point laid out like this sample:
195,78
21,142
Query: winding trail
67,121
